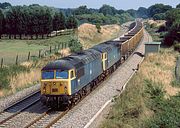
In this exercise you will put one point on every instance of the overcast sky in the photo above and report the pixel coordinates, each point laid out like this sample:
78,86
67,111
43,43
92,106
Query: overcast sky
118,4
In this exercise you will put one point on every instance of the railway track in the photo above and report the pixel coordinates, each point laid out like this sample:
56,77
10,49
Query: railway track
47,119
41,120
18,107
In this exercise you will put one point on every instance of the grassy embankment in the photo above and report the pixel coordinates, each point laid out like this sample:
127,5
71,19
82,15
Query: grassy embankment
150,100
152,96
14,78
89,36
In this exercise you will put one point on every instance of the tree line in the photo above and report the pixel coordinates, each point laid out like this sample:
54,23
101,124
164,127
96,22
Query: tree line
33,20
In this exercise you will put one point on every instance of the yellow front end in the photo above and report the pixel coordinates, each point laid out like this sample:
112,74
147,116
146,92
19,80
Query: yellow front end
57,86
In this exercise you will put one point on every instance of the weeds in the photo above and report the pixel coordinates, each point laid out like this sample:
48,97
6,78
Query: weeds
149,100
7,72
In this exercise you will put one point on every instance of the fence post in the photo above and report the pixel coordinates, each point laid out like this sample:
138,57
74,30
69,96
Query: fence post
39,53
50,49
58,46
29,56
2,63
17,60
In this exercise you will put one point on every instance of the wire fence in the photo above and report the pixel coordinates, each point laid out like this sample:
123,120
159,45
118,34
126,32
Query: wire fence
32,55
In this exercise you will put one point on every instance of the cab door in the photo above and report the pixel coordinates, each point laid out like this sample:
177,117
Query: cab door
104,61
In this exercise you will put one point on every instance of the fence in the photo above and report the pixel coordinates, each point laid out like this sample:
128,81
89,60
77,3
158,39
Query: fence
16,59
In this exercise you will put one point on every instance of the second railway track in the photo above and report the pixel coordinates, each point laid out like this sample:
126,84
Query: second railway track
7,116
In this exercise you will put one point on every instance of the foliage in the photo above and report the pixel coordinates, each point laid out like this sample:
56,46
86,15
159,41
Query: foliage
173,26
71,22
168,114
33,20
178,6
7,72
1,23
59,21
177,46
132,12
75,45
98,28
5,5
159,16
158,8
142,12
107,10
82,10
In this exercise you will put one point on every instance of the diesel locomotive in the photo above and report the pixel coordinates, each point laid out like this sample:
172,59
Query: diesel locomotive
66,80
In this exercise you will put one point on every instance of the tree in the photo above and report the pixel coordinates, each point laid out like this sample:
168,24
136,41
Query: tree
71,22
159,16
81,10
107,10
173,26
178,6
158,8
142,12
132,12
58,21
75,45
5,5
1,23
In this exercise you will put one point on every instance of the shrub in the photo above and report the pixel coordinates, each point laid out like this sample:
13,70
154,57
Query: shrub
169,116
177,46
7,72
75,45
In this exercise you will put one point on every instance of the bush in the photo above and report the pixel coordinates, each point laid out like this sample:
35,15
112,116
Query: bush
177,46
167,112
7,72
75,45
169,116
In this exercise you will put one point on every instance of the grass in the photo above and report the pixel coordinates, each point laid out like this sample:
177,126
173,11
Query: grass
14,79
89,35
150,100
9,49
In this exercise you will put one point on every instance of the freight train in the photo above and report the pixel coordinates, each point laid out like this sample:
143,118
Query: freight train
66,80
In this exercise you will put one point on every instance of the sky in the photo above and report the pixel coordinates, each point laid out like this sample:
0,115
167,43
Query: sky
118,4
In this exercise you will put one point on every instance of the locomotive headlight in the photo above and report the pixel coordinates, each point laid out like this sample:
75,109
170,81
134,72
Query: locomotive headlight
65,89
54,83
44,89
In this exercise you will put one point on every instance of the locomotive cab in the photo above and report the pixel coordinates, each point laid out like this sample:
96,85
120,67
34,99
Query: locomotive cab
57,82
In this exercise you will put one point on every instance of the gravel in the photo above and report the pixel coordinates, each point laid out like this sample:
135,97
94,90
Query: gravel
83,112
9,100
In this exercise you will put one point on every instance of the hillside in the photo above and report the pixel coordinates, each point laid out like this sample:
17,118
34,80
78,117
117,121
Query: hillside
89,36
142,104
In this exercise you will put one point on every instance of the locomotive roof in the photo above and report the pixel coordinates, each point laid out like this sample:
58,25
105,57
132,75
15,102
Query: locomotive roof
115,42
58,65
75,60
86,56
103,47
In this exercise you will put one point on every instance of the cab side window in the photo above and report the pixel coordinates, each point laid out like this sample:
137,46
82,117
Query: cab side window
72,74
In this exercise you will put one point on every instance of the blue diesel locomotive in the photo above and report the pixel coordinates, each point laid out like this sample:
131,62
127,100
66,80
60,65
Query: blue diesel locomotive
65,81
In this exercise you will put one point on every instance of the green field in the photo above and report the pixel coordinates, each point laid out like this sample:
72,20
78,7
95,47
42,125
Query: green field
9,49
